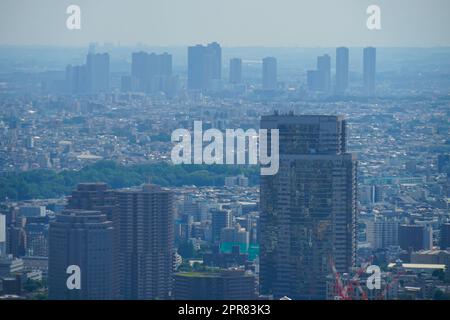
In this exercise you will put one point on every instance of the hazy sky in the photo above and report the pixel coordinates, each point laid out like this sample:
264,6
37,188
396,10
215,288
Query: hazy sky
231,22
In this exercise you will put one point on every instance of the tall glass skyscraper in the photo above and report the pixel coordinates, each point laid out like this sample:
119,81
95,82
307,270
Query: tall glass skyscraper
308,209
146,249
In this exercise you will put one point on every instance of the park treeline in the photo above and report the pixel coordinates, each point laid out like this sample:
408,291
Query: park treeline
44,184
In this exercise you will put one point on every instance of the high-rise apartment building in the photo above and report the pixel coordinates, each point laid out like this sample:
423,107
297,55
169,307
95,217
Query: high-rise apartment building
98,197
97,69
324,72
369,72
342,65
84,239
219,219
308,209
204,66
146,242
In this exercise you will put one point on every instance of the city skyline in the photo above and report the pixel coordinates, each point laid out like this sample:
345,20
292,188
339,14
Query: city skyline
278,151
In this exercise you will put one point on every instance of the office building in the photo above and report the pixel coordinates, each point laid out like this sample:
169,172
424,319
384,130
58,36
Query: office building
369,72
308,209
324,72
82,238
98,197
150,72
235,71
342,66
313,80
219,285
146,242
269,73
76,79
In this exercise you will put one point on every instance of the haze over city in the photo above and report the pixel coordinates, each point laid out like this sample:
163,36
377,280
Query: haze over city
291,23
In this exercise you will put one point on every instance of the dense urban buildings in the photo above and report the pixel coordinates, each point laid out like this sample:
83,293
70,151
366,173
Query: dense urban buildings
146,242
149,73
308,210
69,144
342,69
369,73
235,71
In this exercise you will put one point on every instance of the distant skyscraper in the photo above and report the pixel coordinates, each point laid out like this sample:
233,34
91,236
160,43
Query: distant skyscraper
214,52
235,71
146,242
313,80
308,209
82,238
204,66
342,63
324,72
139,70
2,235
269,73
98,197
151,71
370,61
97,70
